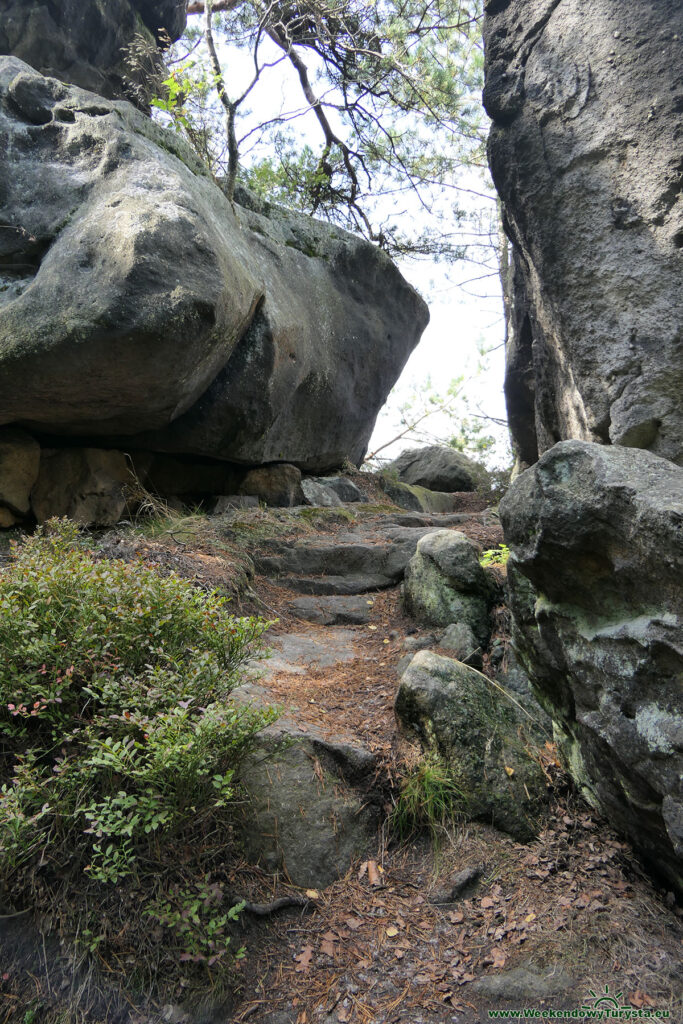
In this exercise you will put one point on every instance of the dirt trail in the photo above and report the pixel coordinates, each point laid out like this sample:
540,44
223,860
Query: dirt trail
539,926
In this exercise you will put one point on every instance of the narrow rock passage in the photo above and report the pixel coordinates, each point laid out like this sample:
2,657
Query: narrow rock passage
397,938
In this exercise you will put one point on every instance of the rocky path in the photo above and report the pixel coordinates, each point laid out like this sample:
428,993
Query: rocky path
417,931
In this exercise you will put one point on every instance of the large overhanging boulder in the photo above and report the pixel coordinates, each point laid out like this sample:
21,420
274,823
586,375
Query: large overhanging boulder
596,594
585,152
139,308
84,42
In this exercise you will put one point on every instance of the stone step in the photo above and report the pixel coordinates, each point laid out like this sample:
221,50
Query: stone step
356,583
332,611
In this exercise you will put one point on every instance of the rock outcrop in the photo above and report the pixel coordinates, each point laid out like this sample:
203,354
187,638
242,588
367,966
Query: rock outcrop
585,153
139,310
84,43
596,594
486,740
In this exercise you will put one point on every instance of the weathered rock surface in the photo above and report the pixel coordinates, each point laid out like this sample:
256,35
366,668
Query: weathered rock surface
416,498
585,153
82,43
333,611
88,485
438,469
524,985
458,714
278,485
330,491
459,640
445,583
307,812
595,587
19,463
137,304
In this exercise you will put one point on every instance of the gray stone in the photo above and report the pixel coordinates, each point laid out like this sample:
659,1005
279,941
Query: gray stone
332,611
82,43
438,469
461,641
415,498
585,153
88,485
595,589
354,583
344,488
307,815
278,485
485,739
19,463
138,305
298,652
316,493
523,984
445,583
420,643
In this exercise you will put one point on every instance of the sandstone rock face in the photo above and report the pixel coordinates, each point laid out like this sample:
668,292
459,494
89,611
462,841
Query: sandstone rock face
19,463
81,42
86,484
444,583
585,153
137,304
595,586
438,469
458,714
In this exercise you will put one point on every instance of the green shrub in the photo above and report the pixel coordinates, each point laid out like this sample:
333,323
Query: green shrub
495,556
118,740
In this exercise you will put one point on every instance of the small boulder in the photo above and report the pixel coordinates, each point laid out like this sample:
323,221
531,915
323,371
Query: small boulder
343,488
461,641
278,484
439,469
89,485
316,493
19,463
444,583
484,738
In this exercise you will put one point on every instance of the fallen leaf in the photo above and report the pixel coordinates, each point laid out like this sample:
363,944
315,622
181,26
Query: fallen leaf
498,957
530,917
344,1014
456,916
373,872
353,923
392,931
362,870
312,894
509,771
328,947
303,959
487,903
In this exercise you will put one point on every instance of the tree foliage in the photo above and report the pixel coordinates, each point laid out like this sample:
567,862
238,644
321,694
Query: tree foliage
363,112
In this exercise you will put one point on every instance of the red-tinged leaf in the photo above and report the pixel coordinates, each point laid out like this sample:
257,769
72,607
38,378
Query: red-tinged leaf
330,936
328,947
303,959
354,923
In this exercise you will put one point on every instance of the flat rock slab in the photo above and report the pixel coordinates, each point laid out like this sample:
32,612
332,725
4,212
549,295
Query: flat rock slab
521,983
298,652
332,611
358,583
